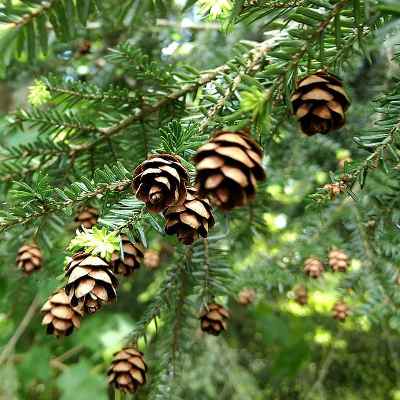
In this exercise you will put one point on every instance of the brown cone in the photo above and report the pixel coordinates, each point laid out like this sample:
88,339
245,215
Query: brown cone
247,296
340,311
59,317
313,267
228,168
338,261
151,259
191,219
319,103
29,258
160,182
87,217
91,282
128,370
301,295
213,319
133,256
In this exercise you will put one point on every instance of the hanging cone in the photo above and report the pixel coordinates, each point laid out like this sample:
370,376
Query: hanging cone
59,316
247,296
91,283
160,182
338,261
228,168
301,295
87,217
319,103
191,219
151,259
313,267
128,370
213,319
29,258
340,311
133,256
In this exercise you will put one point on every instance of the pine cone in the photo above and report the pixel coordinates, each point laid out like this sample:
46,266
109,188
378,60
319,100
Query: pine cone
228,168
29,258
59,316
128,370
301,295
214,319
313,267
335,189
133,256
87,217
319,103
191,219
151,259
338,260
340,311
91,282
247,296
160,182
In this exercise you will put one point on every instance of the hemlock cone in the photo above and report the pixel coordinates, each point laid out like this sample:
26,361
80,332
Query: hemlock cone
87,217
91,282
247,296
319,103
338,261
340,311
191,219
213,319
228,168
313,267
59,316
301,295
128,370
29,258
151,259
131,259
160,182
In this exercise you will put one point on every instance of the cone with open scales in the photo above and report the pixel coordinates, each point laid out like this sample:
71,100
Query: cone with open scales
228,168
313,267
87,217
191,219
320,103
160,182
214,319
29,258
131,259
340,311
128,370
91,283
338,261
60,318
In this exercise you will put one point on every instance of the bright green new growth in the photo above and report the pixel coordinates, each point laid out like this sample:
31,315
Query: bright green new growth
96,241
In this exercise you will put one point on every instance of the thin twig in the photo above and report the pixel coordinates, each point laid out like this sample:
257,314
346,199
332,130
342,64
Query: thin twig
30,313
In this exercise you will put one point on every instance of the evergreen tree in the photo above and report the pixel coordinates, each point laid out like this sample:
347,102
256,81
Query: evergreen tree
175,170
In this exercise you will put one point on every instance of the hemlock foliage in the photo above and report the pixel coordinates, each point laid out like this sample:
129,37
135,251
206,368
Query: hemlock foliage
89,88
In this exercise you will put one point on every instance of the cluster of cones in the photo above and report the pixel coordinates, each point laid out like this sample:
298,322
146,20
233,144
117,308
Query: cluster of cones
91,283
227,170
337,260
313,267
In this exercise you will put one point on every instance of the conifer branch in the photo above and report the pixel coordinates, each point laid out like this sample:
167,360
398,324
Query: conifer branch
35,13
254,58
